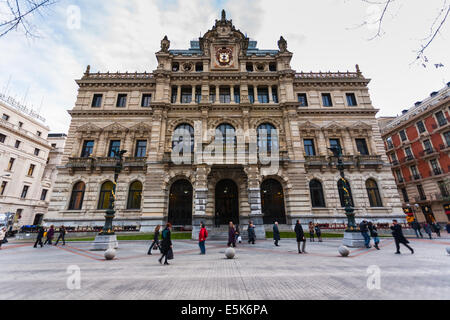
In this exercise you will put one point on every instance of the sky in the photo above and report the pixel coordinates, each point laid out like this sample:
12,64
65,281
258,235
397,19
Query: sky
123,35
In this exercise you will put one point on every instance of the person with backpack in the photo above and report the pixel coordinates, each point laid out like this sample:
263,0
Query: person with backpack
203,235
166,245
155,242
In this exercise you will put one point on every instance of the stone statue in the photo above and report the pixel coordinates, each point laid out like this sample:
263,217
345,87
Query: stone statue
165,45
282,44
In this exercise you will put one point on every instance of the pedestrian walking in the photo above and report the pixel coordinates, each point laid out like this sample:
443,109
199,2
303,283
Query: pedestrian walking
276,234
251,233
318,232
62,235
427,229
2,236
231,235
417,228
202,238
39,237
448,228
374,234
238,234
436,228
155,243
166,245
399,238
311,232
50,234
363,227
300,237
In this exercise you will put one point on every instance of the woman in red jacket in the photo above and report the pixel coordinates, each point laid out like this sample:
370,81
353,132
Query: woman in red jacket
202,238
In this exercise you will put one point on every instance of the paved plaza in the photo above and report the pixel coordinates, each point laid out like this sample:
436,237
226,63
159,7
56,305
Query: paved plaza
260,272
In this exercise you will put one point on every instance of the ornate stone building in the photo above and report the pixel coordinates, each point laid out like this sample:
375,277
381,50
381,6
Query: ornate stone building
223,83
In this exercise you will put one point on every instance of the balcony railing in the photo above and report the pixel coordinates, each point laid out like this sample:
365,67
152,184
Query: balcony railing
417,177
369,161
88,164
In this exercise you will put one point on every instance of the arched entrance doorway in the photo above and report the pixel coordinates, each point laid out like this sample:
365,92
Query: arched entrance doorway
227,203
272,202
180,203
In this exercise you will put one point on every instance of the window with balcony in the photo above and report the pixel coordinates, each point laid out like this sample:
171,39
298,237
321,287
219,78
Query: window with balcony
186,95
399,176
435,167
310,149
141,149
335,143
146,100
326,100
442,121
88,148
351,100
302,99
121,101
361,145
263,94
409,154
421,127
97,101
394,159
415,173
114,148
428,147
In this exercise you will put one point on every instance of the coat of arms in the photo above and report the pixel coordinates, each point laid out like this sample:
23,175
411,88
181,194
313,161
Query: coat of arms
224,56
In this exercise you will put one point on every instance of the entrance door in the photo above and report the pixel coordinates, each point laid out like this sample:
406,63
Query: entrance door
180,203
227,203
272,202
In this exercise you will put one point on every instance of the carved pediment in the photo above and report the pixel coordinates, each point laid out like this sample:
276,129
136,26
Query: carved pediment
333,126
89,127
308,126
141,127
115,127
361,126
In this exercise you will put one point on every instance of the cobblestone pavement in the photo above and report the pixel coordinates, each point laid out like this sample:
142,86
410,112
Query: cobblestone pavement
260,272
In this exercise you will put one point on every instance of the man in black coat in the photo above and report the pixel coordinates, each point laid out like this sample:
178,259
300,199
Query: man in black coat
397,232
363,226
276,234
166,245
62,235
300,237
416,227
40,235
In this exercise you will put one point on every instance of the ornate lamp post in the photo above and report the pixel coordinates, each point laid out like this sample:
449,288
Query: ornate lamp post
107,239
345,189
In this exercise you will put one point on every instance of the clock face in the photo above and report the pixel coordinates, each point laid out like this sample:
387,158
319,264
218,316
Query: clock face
224,56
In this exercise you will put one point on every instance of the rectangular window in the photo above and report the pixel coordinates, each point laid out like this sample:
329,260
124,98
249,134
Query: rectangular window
88,149
24,192
44,194
31,170
399,175
441,119
11,164
351,100
141,149
310,149
335,143
409,154
36,152
198,94
212,94
326,100
421,127
263,94
394,157
389,143
251,94
5,117
275,94
415,173
121,101
303,99
428,147
186,95
114,148
421,192
3,188
237,94
17,145
435,166
174,94
403,135
405,195
447,138
224,95
97,101
444,189
2,138
361,145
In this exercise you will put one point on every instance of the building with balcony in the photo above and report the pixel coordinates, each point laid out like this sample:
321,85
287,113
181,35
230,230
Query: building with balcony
227,91
418,145
28,163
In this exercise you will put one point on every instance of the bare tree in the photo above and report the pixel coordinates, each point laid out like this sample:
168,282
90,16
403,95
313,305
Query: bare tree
435,28
17,15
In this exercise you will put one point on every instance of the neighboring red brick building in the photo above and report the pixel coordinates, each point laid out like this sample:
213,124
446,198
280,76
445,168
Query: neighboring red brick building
418,145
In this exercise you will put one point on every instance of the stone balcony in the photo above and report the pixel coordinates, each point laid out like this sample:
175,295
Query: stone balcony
429,153
350,162
104,164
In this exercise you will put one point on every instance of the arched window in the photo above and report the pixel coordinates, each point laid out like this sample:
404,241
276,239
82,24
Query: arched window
227,135
316,191
77,196
267,137
105,195
180,133
342,192
374,194
135,196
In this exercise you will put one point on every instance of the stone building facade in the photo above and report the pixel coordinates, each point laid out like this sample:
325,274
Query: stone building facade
223,82
418,145
26,158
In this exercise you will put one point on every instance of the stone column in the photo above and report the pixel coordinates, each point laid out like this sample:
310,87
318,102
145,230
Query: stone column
232,93
270,94
254,200
255,93
217,94
201,201
178,94
322,143
193,94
